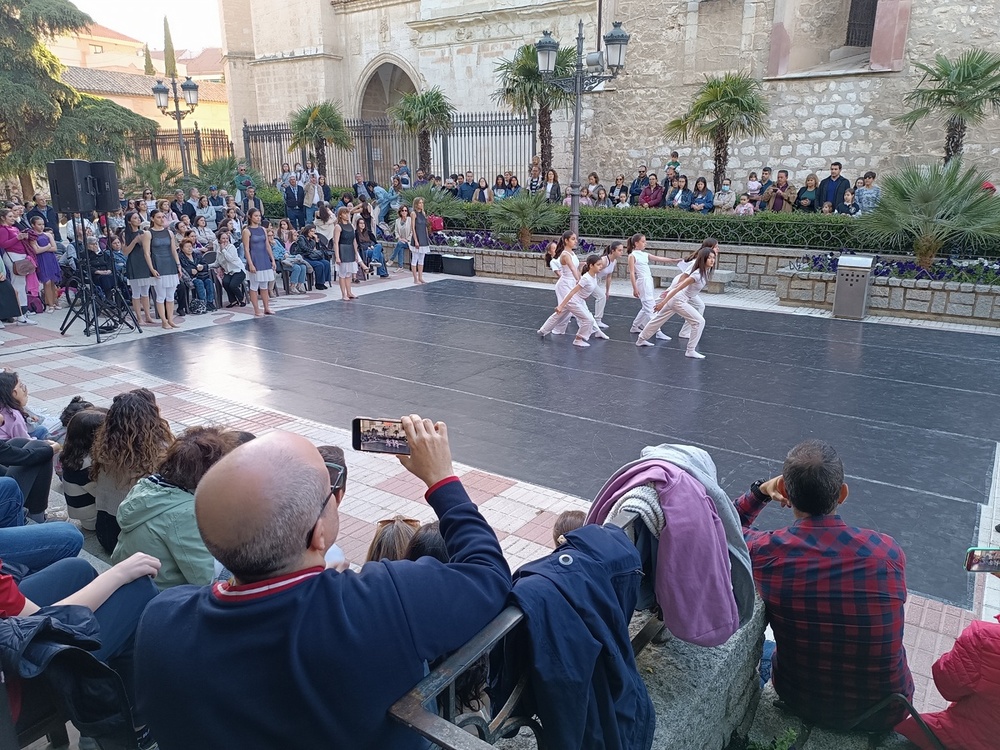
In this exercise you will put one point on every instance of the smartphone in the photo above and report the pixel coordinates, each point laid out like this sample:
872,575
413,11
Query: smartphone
379,436
983,560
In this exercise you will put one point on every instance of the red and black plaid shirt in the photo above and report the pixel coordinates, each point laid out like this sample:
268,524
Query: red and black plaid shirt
834,597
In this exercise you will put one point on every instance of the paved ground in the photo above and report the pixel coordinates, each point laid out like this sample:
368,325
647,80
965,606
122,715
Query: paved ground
234,393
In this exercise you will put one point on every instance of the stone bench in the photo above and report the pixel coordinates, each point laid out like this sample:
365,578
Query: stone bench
662,273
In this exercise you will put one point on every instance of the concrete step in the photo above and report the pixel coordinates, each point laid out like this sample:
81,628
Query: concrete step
716,286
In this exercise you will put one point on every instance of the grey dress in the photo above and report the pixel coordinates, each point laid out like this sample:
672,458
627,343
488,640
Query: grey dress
420,230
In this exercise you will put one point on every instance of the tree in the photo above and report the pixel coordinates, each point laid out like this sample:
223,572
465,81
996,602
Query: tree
961,91
155,175
522,88
316,125
169,58
724,109
221,173
933,207
424,114
436,202
524,214
148,68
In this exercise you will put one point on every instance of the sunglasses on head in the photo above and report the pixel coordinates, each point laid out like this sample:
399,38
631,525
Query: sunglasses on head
412,522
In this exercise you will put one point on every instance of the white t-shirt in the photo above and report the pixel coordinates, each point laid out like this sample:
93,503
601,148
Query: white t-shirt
641,263
587,285
607,270
692,290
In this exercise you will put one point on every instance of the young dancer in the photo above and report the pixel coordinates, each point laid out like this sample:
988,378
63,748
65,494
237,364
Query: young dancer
260,262
612,253
573,305
685,266
159,249
678,300
642,279
566,265
421,241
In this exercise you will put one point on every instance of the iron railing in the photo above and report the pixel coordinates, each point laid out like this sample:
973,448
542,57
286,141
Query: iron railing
199,145
485,143
861,23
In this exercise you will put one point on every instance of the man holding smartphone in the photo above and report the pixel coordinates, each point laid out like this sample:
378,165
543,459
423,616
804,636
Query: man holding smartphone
833,595
291,653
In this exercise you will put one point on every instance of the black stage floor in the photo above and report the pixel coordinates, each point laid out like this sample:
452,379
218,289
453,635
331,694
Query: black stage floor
914,412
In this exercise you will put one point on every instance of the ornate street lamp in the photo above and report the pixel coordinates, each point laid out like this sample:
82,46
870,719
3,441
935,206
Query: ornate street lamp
162,96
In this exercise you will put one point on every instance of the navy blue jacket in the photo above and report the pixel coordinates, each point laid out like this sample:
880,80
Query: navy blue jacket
583,683
294,197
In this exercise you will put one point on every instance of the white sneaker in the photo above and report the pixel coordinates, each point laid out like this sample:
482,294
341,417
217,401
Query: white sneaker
662,336
635,329
694,355
600,335
643,342
25,322
557,333
602,324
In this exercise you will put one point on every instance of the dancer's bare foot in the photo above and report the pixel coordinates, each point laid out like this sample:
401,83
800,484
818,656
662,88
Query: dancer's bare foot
149,321
166,326
173,324
269,312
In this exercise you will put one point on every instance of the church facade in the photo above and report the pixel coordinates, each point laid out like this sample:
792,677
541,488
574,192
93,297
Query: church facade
835,71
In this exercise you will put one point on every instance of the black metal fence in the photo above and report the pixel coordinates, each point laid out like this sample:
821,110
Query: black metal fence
199,145
486,143
861,23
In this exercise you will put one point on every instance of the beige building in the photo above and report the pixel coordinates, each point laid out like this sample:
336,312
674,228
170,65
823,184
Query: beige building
835,71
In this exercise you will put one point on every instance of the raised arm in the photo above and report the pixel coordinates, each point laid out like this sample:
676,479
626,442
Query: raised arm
663,259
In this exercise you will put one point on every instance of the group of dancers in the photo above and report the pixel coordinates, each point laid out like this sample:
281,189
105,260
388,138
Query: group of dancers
578,281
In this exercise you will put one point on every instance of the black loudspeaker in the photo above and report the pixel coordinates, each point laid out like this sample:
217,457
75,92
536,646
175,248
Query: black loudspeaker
105,175
74,186
50,169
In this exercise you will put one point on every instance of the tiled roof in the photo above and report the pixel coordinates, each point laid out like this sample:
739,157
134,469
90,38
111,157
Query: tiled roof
130,84
98,30
206,62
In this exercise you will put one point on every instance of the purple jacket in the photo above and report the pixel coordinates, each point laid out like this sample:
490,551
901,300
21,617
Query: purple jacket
693,584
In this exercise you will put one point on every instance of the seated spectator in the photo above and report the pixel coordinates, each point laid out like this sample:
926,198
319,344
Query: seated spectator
77,485
32,547
602,200
102,269
392,535
868,195
157,515
725,199
849,207
805,200
568,520
374,631
76,404
499,188
371,250
702,199
14,413
617,189
30,464
744,207
234,270
968,677
780,197
194,267
128,446
833,594
651,195
623,200
513,187
683,195
307,245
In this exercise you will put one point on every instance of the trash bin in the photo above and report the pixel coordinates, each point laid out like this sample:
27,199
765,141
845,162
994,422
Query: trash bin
850,299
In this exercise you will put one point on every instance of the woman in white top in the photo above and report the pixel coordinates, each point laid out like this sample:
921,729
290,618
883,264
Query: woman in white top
573,305
566,265
611,255
403,231
679,298
642,279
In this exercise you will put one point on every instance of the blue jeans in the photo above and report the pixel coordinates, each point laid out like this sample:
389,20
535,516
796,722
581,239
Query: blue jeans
297,274
205,289
36,546
297,216
767,662
375,253
321,271
398,253
310,214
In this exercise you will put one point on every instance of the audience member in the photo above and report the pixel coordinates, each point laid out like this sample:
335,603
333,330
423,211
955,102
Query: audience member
725,199
869,194
234,271
638,185
32,547
765,183
392,535
651,195
567,521
832,188
848,207
780,196
375,630
806,199
702,199
553,193
77,484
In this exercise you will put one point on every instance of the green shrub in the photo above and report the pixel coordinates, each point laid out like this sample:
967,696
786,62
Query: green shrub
274,202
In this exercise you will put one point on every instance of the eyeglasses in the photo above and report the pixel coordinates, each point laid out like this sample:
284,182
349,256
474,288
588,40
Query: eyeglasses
411,522
336,484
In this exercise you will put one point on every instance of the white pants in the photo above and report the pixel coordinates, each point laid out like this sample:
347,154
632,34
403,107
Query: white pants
165,286
698,304
140,287
575,308
564,286
20,283
600,299
695,321
646,297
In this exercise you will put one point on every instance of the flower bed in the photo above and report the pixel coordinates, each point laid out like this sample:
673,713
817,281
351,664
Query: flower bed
980,271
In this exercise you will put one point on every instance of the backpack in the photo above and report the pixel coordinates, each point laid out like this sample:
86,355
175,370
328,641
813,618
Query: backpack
436,223
36,305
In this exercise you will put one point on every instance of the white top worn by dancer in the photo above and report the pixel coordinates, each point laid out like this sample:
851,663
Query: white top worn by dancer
609,269
688,293
642,263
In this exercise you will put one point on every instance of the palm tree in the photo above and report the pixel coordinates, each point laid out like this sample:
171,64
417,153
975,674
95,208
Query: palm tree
155,175
316,125
524,214
424,114
522,88
931,207
962,91
221,173
436,202
724,109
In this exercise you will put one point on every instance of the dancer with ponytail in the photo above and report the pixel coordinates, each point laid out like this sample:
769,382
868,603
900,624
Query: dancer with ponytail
697,303
573,305
678,300
642,279
611,255
564,262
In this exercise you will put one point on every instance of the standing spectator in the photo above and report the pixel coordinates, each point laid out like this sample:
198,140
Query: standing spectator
12,249
421,179
513,187
637,186
308,171
327,192
482,193
48,213
190,207
312,197
295,197
651,195
765,183
451,188
286,172
725,199
779,198
867,197
361,188
243,181
807,199
499,188
618,188
702,199
832,188
535,181
177,204
250,200
468,187
553,194
593,184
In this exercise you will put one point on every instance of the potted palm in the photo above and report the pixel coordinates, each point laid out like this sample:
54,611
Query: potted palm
524,214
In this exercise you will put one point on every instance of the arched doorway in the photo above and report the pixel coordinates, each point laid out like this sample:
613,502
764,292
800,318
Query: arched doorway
384,88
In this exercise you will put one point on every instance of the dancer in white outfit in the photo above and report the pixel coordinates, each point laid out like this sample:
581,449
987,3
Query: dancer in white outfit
678,300
684,267
611,256
566,265
642,279
573,305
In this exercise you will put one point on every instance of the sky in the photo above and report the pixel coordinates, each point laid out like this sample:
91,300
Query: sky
146,26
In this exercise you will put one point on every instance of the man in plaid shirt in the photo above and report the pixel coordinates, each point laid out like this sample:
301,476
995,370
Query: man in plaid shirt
833,595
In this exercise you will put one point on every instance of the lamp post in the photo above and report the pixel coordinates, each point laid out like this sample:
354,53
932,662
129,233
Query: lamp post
162,95
591,71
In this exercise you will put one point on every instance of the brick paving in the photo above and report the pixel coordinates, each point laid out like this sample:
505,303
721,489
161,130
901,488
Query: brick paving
378,487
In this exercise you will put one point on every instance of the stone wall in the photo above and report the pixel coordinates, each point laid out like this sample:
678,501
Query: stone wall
908,298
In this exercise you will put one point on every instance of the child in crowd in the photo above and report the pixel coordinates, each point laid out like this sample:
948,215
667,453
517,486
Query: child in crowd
623,200
827,208
744,207
849,207
754,186
674,162
16,420
568,520
77,486
392,536
76,404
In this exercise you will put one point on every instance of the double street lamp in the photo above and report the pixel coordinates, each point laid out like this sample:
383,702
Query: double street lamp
591,71
162,95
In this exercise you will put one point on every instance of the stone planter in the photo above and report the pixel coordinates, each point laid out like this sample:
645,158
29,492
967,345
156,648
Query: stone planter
906,298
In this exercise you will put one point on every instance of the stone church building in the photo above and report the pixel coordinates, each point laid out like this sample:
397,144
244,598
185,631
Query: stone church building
835,71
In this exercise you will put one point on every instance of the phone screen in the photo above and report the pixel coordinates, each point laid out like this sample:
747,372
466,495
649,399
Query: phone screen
983,560
379,436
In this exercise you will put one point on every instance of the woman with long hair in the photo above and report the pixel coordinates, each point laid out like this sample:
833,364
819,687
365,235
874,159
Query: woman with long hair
159,247
573,305
369,249
499,188
77,484
612,253
203,234
206,211
137,271
13,251
702,199
346,256
43,248
682,195
403,230
642,279
482,193
128,446
678,300
553,194
562,259
234,273
260,262
421,241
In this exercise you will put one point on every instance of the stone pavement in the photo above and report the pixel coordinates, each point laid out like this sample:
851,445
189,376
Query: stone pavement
56,368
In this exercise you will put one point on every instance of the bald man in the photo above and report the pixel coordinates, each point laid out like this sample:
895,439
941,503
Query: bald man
294,654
